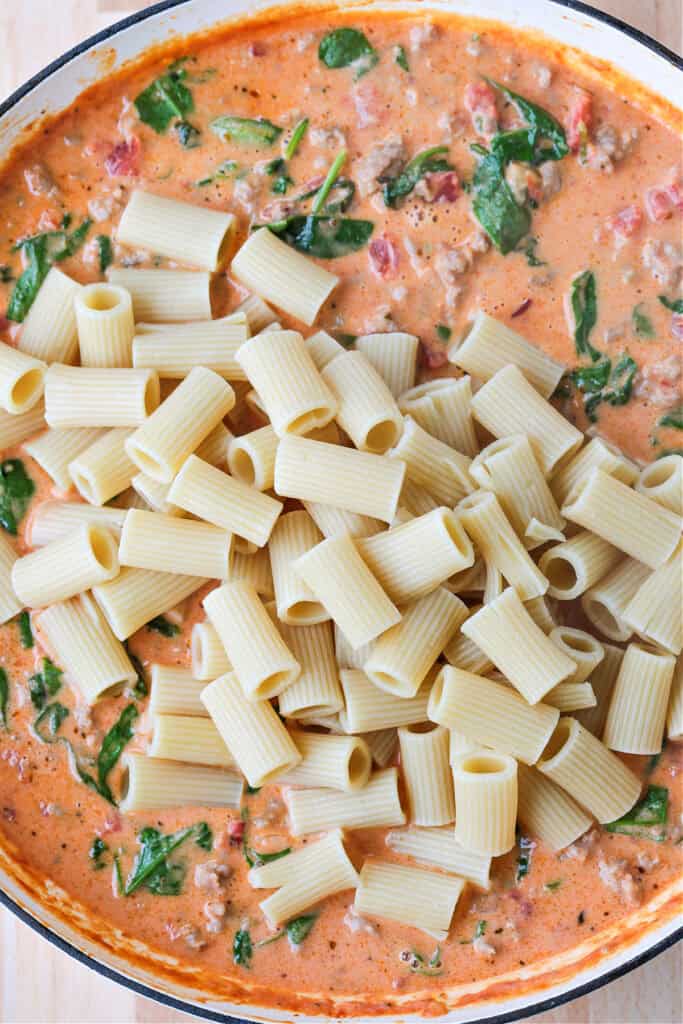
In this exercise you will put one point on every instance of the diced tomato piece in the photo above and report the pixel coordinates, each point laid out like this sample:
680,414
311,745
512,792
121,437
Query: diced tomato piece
579,119
235,831
441,187
626,222
480,101
123,160
383,253
662,201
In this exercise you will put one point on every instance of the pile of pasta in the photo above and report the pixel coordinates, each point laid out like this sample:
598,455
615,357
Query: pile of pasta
384,552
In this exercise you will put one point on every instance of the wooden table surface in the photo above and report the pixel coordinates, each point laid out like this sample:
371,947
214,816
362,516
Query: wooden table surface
38,983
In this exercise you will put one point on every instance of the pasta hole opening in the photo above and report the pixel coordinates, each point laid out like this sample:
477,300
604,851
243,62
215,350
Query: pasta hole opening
151,394
561,574
456,532
148,464
243,546
475,500
382,436
482,764
422,728
125,782
579,644
242,466
557,740
436,695
103,548
601,616
102,298
359,765
658,474
25,387
305,611
84,486
270,686
309,421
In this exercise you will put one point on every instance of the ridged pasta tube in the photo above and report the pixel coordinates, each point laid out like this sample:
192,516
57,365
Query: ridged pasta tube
150,784
596,454
49,330
86,396
577,564
486,802
175,691
10,605
427,773
604,603
331,762
66,566
394,356
104,469
639,702
547,811
318,810
656,608
106,326
438,848
22,380
180,231
441,470
443,407
366,409
411,896
54,450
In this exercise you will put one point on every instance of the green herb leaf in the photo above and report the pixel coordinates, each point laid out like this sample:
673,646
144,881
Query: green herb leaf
298,928
162,625
584,305
188,135
25,631
246,131
526,848
140,689
227,169
480,930
675,305
324,237
281,184
428,161
40,252
112,748
443,332
6,274
672,418
44,684
97,852
16,490
554,885
151,867
401,58
642,324
242,949
644,821
330,179
52,715
203,836
500,215
592,378
256,859
4,698
546,135
300,130
347,47
165,100
604,383
528,247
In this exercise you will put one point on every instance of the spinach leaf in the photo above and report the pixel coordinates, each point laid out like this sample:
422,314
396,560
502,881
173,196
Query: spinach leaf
401,58
526,848
591,379
502,218
554,885
443,333
226,169
165,99
112,747
105,255
603,382
162,625
255,859
203,836
140,689
4,698
347,47
641,820
44,684
675,305
298,928
40,252
6,274
672,418
16,490
25,631
97,852
323,236
528,247
242,948
300,130
246,131
642,325
584,305
151,867
420,965
52,715
513,145
428,161
188,135
546,135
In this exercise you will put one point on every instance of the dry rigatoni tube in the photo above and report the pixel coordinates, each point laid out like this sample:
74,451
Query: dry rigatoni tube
438,848
663,482
79,640
488,526
591,774
581,647
53,519
463,653
310,875
255,568
576,565
161,296
441,470
154,495
207,492
173,353
49,330
547,811
333,521
15,429
65,567
22,380
330,474
317,691
401,658
323,348
603,679
104,469
10,605
331,762
639,702
84,396
251,731
367,708
294,534
346,588
413,559
136,596
150,784
508,467
251,457
656,608
209,657
505,631
394,356
443,408
490,346
538,609
674,718
382,745
411,896
281,275
623,517
318,810
427,773
54,450
104,316
571,697
293,393
486,802
367,410
150,540
260,658
175,691
605,603
190,739
509,404
180,231
258,313
491,713
597,453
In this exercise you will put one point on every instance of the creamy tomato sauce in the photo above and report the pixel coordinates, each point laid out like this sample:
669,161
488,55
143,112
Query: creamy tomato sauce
612,206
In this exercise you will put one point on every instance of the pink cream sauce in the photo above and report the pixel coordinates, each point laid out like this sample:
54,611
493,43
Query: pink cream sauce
85,163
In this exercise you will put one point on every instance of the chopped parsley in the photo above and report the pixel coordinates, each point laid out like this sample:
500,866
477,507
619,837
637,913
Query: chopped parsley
242,948
4,698
16,490
105,255
642,325
401,58
96,853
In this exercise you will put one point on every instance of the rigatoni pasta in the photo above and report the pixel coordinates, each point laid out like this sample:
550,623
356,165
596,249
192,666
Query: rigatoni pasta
366,408
10,605
251,457
161,296
150,784
136,596
173,353
104,318
53,519
485,785
49,330
639,702
150,540
412,896
17,428
438,848
432,465
331,762
191,739
316,692
663,482
394,356
604,603
66,566
600,454
427,774
103,469
294,534
577,564
654,610
547,811
175,691
318,810
443,407
367,708
84,396
54,450
22,380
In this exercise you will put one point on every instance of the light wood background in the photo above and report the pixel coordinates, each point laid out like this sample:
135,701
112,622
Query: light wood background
38,983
